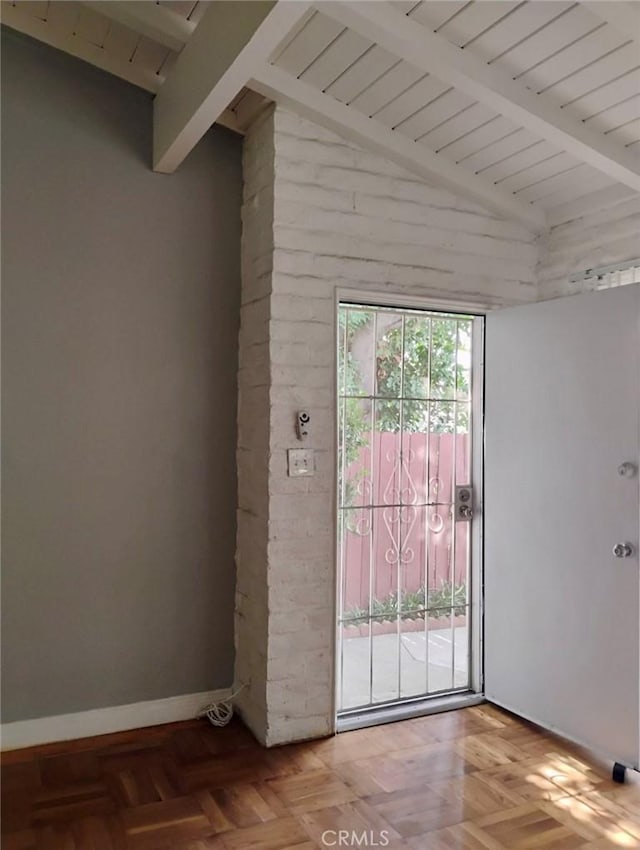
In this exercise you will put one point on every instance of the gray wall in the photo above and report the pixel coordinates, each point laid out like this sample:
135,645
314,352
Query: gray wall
120,320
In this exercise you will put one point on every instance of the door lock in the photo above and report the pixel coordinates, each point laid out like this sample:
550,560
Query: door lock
623,550
463,505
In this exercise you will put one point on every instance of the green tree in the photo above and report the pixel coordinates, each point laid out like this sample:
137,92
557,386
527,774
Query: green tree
424,359
420,358
353,418
352,414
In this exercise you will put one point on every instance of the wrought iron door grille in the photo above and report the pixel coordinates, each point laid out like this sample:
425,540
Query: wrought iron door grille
404,424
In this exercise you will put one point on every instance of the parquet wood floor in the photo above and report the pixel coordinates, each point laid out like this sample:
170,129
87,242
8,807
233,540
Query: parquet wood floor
475,779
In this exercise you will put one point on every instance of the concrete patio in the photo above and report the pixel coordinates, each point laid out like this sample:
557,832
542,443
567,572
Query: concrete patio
446,651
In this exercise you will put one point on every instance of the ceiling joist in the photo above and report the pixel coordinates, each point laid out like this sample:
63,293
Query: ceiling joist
218,60
391,29
308,101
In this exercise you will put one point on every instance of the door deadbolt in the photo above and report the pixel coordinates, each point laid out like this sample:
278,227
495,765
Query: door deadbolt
623,550
463,508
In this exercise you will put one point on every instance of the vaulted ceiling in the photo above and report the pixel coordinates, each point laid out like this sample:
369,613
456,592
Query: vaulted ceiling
531,108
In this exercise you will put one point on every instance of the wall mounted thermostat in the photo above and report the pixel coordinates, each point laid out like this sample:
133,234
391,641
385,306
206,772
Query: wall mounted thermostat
303,423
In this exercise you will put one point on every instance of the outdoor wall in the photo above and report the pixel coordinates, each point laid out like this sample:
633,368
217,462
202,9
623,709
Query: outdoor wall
330,216
120,317
600,238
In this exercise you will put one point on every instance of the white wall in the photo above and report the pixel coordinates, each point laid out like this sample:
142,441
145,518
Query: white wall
347,217
336,217
251,610
593,239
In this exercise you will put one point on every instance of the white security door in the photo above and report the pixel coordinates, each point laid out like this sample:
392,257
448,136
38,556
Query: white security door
561,504
408,412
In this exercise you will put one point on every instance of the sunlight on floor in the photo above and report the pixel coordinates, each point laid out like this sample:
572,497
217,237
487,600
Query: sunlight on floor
578,805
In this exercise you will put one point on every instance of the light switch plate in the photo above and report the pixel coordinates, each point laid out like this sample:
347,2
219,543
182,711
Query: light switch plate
301,462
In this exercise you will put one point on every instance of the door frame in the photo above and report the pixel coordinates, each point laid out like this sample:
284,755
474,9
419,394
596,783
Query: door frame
424,705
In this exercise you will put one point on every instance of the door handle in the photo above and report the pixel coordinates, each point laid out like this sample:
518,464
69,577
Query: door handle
623,550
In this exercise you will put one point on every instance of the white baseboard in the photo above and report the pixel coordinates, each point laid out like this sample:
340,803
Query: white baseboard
101,721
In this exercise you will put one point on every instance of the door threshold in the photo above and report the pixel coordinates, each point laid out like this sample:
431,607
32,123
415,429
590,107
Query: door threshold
376,716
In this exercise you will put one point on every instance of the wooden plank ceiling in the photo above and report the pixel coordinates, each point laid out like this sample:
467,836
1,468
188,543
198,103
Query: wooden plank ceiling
84,30
527,106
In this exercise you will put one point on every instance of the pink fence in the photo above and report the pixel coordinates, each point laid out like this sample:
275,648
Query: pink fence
409,533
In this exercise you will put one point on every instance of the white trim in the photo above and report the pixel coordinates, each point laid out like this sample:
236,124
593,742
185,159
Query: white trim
335,502
310,102
430,52
410,301
476,578
101,721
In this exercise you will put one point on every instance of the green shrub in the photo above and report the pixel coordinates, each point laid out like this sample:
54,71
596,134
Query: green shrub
412,605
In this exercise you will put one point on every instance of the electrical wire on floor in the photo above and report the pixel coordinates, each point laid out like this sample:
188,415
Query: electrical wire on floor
220,713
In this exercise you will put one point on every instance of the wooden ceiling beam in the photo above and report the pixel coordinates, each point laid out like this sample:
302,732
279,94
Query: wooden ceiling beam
391,29
230,42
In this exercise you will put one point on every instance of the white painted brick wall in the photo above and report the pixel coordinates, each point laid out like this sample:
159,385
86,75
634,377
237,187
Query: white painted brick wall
351,218
593,239
254,378
320,214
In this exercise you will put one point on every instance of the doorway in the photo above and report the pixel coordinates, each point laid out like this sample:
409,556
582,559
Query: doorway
409,493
